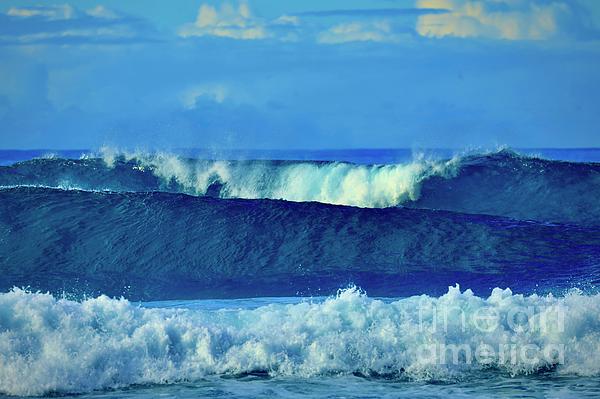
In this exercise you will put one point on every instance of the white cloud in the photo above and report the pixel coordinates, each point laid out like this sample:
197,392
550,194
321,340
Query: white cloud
118,32
287,20
67,24
102,12
217,93
495,19
378,31
227,21
51,13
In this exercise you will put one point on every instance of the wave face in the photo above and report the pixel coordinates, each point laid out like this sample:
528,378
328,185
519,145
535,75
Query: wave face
51,345
502,183
166,245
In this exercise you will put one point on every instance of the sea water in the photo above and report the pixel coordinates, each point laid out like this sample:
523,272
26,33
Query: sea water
363,273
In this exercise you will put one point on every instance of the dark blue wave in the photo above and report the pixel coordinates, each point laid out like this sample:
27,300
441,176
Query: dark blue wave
515,186
165,245
502,183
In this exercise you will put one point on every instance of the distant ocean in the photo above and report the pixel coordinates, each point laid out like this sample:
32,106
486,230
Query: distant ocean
342,273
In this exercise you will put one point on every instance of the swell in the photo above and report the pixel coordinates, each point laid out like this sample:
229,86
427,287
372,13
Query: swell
502,183
164,245
57,346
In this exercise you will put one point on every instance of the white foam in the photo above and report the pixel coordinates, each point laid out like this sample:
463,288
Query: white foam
368,186
63,186
56,345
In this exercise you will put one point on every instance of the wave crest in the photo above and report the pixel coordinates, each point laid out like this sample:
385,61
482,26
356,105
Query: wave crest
367,186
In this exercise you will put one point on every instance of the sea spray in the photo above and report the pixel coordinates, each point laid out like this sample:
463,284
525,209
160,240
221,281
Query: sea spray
368,186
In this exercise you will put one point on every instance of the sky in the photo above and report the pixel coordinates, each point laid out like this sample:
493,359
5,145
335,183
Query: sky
299,74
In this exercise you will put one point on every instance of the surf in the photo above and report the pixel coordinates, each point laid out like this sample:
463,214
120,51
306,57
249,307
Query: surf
52,345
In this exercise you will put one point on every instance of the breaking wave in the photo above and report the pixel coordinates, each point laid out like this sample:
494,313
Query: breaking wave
501,183
50,345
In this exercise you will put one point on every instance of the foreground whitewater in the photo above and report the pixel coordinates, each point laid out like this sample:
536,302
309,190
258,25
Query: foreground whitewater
58,346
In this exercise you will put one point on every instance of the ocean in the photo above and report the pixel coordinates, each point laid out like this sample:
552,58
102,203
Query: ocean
298,274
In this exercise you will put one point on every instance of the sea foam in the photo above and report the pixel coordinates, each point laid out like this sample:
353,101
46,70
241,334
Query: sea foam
51,345
339,183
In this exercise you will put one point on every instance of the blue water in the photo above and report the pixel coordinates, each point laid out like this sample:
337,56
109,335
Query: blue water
361,156
300,273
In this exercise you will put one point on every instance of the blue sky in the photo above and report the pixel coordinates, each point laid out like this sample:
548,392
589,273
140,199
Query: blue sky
299,74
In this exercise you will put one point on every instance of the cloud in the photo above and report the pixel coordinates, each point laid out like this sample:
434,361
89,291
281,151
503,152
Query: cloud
287,20
238,23
494,19
102,12
380,31
373,12
227,21
49,13
68,25
362,28
216,93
